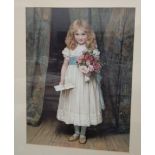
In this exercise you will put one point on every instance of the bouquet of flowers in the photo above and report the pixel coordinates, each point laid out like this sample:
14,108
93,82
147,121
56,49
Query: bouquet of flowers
89,64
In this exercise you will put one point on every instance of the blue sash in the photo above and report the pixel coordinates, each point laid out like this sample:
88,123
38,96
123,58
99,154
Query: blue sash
72,60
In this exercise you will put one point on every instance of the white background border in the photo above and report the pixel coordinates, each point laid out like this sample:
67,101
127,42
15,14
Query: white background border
7,73
20,80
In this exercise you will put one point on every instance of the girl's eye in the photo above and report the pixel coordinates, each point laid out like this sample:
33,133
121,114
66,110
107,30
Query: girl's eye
83,34
76,34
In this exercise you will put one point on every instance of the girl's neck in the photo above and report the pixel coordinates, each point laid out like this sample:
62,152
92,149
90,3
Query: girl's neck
81,44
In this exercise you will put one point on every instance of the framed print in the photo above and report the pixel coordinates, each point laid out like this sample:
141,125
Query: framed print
77,73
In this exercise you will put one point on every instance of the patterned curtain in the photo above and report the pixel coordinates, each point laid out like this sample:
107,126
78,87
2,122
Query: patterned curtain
38,24
116,44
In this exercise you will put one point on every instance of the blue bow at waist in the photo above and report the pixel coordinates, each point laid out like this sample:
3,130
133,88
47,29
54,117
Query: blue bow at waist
73,60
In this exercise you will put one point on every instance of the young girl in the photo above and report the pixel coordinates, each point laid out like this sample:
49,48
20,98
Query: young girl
80,106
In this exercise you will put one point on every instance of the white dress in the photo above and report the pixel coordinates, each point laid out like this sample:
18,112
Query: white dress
81,105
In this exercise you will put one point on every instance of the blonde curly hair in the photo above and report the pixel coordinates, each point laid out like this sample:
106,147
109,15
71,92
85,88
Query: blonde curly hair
78,24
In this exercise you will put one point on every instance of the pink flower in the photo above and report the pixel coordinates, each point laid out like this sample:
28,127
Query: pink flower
91,68
87,62
79,61
86,57
91,58
97,67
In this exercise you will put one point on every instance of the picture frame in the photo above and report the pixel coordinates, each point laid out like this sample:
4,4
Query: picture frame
21,147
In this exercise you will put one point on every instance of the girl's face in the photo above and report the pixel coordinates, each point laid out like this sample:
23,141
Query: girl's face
80,36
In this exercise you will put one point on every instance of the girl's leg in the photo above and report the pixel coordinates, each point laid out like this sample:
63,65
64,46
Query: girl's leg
83,139
83,130
76,129
76,134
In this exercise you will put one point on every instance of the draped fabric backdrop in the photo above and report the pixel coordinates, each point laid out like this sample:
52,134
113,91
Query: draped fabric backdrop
38,25
114,29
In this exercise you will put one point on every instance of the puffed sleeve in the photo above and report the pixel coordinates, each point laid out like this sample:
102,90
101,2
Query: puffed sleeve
65,52
96,52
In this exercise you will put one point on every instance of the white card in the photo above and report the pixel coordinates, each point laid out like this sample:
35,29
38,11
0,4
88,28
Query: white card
64,87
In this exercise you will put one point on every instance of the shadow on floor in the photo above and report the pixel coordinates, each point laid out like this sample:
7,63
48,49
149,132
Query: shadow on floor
65,129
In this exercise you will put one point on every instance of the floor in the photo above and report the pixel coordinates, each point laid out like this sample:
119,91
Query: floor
55,133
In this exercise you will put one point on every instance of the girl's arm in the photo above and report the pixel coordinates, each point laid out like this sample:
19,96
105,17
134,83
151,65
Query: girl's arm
63,70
